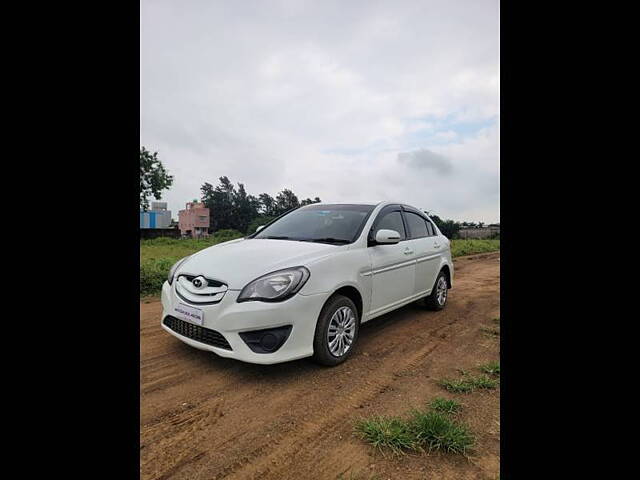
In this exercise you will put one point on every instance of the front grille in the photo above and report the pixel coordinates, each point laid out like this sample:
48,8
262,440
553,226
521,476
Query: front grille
210,282
209,295
196,332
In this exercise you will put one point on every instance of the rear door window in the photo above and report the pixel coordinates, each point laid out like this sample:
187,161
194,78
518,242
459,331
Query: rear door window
417,225
432,231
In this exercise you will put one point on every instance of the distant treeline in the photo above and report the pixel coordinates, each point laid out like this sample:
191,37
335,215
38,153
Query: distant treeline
232,207
451,228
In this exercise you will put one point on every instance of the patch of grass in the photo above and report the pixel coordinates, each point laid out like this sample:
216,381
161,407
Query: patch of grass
496,320
490,331
435,431
429,429
456,386
469,383
492,368
159,254
165,247
153,273
444,405
387,433
484,382
462,247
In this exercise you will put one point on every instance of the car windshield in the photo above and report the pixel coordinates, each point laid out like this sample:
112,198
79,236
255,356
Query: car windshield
335,224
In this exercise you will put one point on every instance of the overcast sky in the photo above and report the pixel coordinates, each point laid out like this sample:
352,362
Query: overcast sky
346,100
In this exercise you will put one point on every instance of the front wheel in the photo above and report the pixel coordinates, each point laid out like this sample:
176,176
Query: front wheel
438,297
336,331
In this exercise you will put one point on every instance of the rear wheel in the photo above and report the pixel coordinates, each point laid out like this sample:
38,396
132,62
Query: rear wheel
336,331
439,293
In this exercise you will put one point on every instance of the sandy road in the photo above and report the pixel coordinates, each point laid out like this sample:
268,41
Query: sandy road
205,417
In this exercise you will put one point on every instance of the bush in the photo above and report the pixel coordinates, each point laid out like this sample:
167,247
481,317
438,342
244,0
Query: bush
153,273
226,235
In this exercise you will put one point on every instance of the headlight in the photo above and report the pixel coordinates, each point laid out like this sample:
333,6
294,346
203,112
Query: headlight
275,286
173,269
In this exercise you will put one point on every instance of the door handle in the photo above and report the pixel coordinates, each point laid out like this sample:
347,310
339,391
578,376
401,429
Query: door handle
408,251
436,245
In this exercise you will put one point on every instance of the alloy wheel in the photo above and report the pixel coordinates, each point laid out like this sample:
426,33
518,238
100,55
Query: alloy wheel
441,290
342,328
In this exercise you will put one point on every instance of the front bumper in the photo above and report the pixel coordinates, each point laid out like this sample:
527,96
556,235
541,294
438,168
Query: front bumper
230,318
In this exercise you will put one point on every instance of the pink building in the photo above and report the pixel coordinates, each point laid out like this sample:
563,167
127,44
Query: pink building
194,220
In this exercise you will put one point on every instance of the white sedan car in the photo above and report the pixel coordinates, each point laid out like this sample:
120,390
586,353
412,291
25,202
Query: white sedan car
302,285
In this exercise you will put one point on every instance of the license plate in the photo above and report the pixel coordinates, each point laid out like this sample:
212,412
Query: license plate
190,314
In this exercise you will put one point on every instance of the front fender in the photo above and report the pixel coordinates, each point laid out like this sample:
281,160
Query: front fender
346,268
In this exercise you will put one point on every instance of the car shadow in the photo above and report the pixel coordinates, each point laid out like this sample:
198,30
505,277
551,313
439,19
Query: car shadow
402,314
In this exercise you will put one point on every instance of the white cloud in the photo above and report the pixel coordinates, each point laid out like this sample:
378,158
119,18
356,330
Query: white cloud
321,97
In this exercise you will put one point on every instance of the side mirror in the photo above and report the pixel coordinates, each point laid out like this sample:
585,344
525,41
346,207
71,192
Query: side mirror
259,228
387,236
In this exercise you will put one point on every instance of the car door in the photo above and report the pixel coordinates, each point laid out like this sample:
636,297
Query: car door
393,266
423,242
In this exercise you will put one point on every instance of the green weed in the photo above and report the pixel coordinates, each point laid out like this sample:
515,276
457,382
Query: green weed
425,429
445,405
387,432
468,383
492,368
435,431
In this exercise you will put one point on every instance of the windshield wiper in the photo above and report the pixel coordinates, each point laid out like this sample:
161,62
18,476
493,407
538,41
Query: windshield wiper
327,240
276,237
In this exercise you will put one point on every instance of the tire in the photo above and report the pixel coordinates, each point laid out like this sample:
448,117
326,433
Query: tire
435,301
339,310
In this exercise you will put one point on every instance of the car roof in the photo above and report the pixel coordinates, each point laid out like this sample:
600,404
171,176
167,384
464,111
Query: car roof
346,203
376,204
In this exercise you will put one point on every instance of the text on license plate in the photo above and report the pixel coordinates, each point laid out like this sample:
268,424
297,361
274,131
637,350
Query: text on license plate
190,314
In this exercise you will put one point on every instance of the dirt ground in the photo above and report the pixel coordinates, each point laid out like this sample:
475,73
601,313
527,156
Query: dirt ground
205,417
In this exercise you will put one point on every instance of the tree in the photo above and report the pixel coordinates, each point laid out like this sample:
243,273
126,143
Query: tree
245,209
285,201
154,178
267,205
219,201
449,228
234,208
229,208
308,201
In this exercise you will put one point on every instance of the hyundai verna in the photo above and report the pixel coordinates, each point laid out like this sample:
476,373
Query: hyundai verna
302,285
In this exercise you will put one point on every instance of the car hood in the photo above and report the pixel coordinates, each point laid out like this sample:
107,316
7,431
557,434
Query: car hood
237,262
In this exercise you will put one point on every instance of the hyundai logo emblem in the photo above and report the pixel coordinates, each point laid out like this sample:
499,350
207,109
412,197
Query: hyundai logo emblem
199,282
